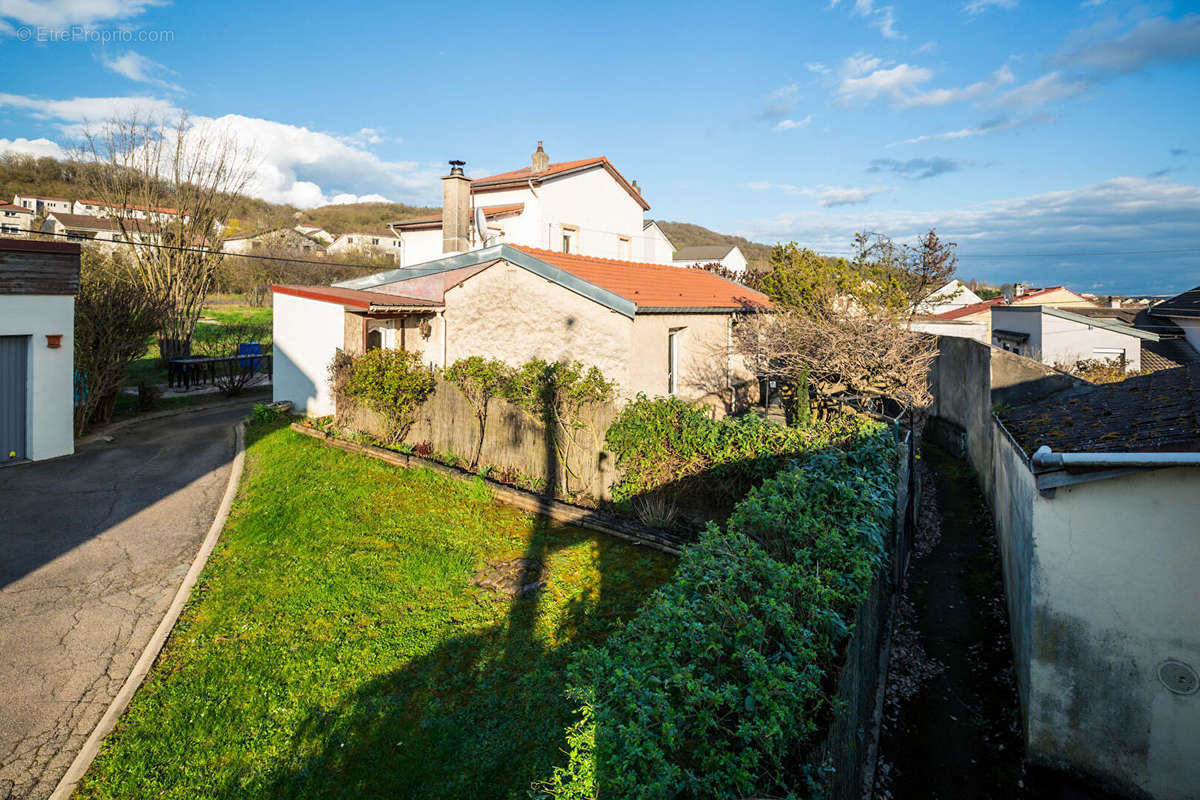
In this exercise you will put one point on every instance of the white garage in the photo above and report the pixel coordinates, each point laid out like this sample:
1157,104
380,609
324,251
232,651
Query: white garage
38,282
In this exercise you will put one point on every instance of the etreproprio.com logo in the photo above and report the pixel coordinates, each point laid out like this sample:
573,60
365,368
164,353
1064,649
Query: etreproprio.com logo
84,33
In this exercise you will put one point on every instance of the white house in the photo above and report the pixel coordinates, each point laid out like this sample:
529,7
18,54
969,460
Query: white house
38,283
42,205
727,255
15,220
585,207
95,208
1184,311
657,247
1062,338
278,239
314,232
377,244
952,296
82,227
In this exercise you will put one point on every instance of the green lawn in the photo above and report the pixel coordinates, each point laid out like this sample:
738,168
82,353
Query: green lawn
149,367
335,647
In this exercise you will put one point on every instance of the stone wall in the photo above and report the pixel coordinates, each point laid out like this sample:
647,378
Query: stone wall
512,438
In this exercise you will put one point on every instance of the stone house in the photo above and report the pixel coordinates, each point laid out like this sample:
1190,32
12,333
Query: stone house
650,328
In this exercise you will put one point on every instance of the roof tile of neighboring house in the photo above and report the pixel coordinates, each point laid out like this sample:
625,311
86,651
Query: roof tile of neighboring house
521,177
703,252
975,308
12,207
435,220
1183,305
43,197
131,206
1172,350
1147,413
355,298
88,222
653,285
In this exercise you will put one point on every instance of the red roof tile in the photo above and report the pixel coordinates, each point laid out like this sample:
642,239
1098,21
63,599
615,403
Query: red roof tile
490,212
653,285
354,298
11,207
519,177
1023,299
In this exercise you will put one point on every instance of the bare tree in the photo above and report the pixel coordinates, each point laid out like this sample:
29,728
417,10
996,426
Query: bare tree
844,327
169,185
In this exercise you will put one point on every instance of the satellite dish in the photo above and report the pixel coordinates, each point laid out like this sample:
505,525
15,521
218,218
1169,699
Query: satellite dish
481,226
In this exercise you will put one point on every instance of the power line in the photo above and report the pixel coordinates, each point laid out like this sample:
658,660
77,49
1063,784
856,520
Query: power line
182,249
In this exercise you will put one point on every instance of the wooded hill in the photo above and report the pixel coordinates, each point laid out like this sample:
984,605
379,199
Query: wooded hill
685,234
24,174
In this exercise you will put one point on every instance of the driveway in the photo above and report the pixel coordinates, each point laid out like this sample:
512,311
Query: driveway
93,548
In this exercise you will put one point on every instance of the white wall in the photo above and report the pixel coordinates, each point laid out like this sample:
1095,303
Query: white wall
307,333
375,243
953,295
966,330
50,413
1115,595
656,248
1057,341
1191,329
733,260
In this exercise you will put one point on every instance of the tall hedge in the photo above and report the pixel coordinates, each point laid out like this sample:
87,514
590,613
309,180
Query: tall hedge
719,687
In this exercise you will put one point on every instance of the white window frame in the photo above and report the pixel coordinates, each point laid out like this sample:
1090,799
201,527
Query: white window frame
673,361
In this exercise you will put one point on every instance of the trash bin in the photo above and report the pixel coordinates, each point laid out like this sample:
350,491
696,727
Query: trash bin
250,349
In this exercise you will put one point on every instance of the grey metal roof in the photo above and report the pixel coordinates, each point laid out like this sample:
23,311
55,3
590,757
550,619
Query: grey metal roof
551,273
1115,327
703,252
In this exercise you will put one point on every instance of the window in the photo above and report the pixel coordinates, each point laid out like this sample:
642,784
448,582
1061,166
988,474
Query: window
673,361
570,239
374,241
623,248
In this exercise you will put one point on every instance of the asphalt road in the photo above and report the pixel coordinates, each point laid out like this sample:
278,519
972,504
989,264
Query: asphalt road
92,549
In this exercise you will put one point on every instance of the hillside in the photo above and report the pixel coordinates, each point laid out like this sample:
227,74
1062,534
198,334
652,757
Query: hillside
685,234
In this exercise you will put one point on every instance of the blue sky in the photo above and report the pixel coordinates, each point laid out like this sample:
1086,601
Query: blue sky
1053,142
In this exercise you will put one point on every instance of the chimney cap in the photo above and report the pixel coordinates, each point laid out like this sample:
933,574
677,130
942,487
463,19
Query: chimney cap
456,166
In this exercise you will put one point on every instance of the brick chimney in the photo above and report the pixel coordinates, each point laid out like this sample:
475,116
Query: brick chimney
456,209
541,161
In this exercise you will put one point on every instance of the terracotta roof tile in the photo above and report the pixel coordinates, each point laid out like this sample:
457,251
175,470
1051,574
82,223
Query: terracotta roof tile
490,212
654,285
520,176
354,298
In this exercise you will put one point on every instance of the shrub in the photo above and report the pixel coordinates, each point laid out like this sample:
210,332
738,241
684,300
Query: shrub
720,686
114,316
392,383
665,444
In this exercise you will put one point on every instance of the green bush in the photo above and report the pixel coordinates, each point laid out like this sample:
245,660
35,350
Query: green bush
665,443
392,383
720,686
480,379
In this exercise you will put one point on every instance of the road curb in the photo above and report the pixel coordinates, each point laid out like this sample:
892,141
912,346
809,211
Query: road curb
91,747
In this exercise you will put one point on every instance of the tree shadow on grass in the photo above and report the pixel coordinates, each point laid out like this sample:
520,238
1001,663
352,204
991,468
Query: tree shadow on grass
482,715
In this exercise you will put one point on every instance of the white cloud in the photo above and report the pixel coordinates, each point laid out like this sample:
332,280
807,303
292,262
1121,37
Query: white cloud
344,199
33,147
881,17
927,47
826,196
941,97
1151,41
894,82
61,13
983,128
780,102
1114,215
138,68
293,164
792,124
979,6
818,67
1049,88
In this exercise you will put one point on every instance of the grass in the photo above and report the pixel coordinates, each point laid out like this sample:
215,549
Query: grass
335,647
150,369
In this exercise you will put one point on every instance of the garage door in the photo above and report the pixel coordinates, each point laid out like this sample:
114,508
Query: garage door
14,394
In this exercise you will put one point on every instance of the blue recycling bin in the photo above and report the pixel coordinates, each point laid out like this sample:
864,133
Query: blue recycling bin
250,349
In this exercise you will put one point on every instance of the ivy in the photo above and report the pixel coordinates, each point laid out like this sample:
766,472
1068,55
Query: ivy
720,686
481,379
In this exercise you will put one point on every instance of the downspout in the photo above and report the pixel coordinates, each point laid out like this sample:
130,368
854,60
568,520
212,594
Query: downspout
445,337
1047,459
